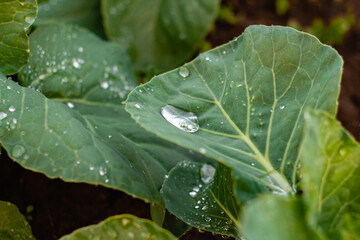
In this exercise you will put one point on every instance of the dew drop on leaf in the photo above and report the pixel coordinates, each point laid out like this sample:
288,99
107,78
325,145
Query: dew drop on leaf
186,121
193,194
12,109
104,85
183,72
207,173
70,105
102,171
18,151
282,107
138,106
2,115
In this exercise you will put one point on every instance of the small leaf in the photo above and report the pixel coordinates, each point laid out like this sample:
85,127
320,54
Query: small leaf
121,227
249,97
202,203
13,224
84,13
273,217
331,172
15,18
158,33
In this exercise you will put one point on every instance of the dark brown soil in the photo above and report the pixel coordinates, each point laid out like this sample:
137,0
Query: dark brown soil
60,208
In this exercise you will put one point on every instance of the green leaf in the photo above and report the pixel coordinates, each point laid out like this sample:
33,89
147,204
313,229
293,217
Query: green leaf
249,97
158,33
175,225
15,18
121,227
330,171
157,212
81,132
273,217
201,199
84,13
13,224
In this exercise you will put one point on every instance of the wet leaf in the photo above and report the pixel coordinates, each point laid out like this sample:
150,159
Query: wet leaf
249,97
84,13
80,131
13,224
121,227
164,37
331,174
200,201
15,18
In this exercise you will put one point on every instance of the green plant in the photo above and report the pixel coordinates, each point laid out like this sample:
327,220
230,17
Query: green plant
241,135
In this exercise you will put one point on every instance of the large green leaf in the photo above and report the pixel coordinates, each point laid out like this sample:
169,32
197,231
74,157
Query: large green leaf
161,34
331,173
273,217
90,138
249,97
85,13
15,18
202,199
13,225
121,227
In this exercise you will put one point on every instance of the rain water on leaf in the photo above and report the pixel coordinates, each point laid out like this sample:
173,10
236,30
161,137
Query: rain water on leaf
186,121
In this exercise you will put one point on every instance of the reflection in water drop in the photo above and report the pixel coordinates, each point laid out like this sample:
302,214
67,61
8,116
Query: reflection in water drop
186,121
18,151
184,72
2,115
12,109
207,173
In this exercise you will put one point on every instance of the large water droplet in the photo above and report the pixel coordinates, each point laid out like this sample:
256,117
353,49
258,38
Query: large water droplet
18,151
184,72
2,115
186,121
207,173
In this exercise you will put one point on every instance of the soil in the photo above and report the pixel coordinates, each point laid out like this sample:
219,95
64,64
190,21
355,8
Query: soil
60,207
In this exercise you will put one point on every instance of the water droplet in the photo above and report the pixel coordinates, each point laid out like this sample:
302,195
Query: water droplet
138,106
125,221
77,63
107,180
193,194
2,115
104,85
70,105
80,49
196,189
102,171
29,19
186,121
110,136
207,173
204,207
184,72
202,150
18,151
252,164
8,87
343,152
282,107
91,168
12,109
